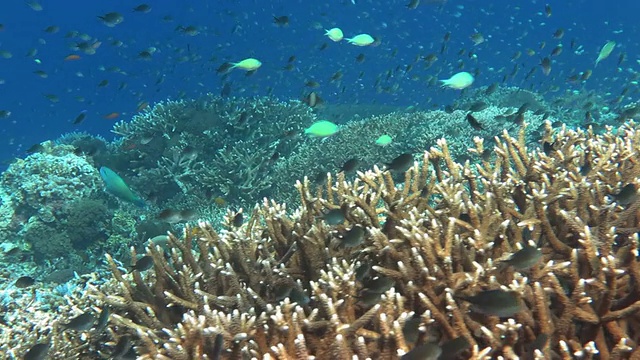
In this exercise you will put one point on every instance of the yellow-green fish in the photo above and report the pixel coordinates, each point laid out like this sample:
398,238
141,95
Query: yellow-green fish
605,51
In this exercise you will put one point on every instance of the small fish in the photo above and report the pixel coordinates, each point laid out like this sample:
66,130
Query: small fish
111,116
238,219
605,51
282,21
427,351
477,38
103,319
142,8
81,322
352,237
474,122
546,66
37,352
401,163
122,347
494,303
334,217
24,281
36,148
547,10
350,165
313,99
4,114
218,346
143,264
478,106
72,57
626,195
525,258
379,285
80,118
548,147
413,4
171,216
34,5
452,348
111,19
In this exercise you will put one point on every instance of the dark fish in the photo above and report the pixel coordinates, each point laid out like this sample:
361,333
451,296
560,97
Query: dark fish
188,215
452,348
143,264
226,90
478,106
401,163
171,216
626,195
474,122
143,8
547,10
37,352
428,351
413,4
36,148
559,33
218,346
80,118
237,220
379,285
585,169
556,50
350,165
81,322
494,303
334,217
411,329
24,281
224,68
363,270
525,258
281,20
486,154
548,147
122,347
103,319
546,66
313,99
360,58
111,19
352,237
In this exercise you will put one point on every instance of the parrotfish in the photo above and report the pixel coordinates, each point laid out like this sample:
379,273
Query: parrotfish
117,187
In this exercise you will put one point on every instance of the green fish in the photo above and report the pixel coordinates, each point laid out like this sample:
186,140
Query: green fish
117,187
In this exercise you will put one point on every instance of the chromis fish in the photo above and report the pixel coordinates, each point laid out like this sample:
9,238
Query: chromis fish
384,140
248,64
458,81
361,40
335,34
322,128
117,187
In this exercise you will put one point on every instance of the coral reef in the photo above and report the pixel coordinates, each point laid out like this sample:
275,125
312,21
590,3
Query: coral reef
288,285
210,146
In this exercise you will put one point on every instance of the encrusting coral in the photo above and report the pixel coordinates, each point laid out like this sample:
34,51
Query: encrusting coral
289,286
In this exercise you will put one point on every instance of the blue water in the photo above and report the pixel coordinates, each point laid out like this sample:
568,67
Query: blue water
233,30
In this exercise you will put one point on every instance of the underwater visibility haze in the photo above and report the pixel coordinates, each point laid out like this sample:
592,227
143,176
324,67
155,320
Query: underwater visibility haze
414,179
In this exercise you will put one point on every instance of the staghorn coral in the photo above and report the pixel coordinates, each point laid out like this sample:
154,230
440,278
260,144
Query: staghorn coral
282,286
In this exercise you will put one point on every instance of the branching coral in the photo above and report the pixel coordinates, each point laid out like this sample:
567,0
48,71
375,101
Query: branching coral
285,286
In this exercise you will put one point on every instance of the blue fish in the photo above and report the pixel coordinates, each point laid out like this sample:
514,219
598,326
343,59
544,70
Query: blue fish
117,187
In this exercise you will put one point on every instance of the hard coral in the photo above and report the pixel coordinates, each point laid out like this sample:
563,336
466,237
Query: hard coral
278,287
